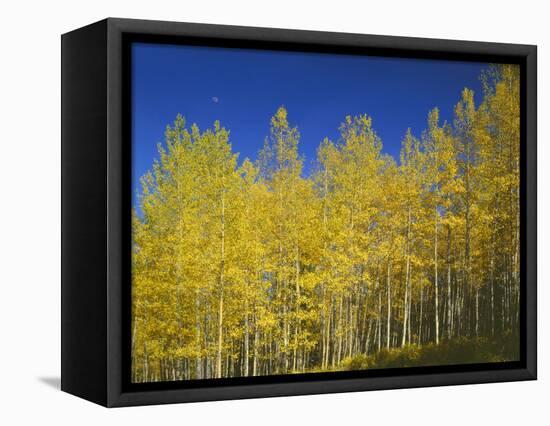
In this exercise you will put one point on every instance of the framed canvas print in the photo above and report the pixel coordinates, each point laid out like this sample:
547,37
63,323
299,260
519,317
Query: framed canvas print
253,212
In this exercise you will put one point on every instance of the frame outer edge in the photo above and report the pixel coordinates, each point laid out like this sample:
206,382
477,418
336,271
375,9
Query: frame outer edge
114,213
531,210
116,396
83,233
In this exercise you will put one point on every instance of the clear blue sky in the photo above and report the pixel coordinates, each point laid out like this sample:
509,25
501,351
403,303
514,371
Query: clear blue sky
243,88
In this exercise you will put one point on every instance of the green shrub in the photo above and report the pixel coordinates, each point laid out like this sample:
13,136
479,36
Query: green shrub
457,351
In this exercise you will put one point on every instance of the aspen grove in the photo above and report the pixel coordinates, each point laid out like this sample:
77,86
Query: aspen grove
249,268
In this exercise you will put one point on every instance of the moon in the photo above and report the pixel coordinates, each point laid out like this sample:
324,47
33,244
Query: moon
215,99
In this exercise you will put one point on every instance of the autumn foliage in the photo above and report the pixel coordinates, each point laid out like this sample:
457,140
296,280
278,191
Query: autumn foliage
247,268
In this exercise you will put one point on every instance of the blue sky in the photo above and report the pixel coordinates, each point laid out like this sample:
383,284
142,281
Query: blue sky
243,88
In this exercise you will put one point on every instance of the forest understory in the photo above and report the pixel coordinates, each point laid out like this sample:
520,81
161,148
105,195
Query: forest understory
452,352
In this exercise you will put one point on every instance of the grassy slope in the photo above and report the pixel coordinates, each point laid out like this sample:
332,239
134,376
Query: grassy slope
457,351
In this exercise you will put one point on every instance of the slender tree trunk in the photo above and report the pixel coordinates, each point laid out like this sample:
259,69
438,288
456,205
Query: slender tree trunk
436,284
410,307
198,366
134,358
145,364
221,290
246,336
367,341
405,304
297,310
329,332
407,280
477,312
340,329
388,287
379,312
256,345
420,316
449,289
492,282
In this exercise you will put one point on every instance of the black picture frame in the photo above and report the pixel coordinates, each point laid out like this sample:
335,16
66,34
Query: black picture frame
96,201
